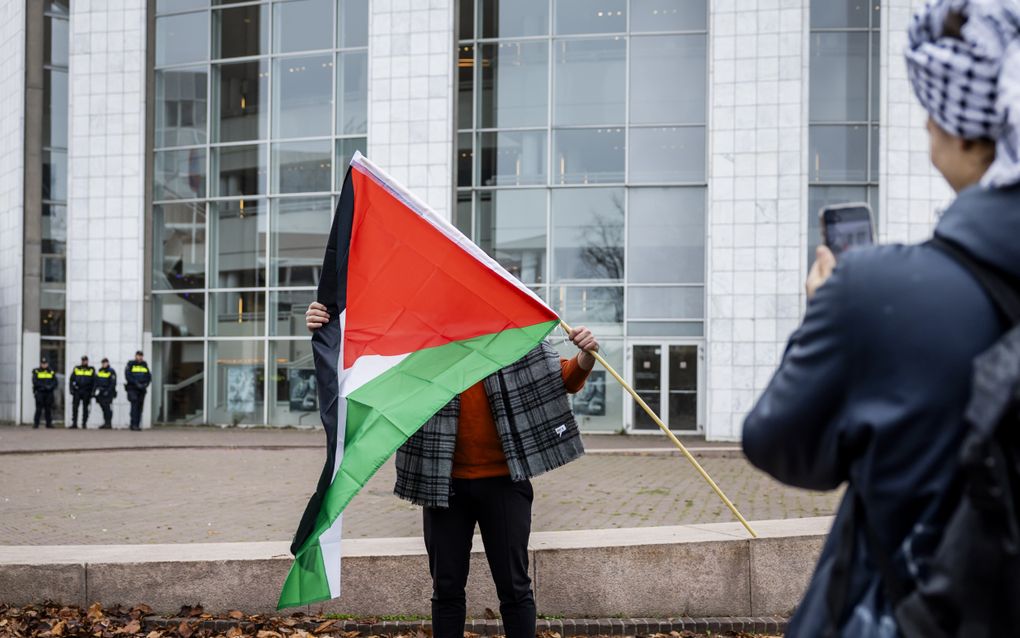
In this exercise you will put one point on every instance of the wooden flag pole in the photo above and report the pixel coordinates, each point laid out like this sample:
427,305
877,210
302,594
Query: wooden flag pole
672,437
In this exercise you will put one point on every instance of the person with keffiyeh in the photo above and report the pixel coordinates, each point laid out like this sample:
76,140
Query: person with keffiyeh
872,387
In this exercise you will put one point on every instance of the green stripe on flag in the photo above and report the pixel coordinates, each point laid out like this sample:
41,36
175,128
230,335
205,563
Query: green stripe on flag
384,413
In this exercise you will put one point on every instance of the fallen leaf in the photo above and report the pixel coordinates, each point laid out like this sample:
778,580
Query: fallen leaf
132,627
58,629
142,609
234,632
185,630
289,622
95,611
324,627
268,634
236,615
196,611
155,634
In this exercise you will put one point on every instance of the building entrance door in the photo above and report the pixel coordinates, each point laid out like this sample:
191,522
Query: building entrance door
666,376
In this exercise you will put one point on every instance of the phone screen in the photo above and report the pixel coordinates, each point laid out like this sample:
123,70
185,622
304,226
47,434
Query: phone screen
844,227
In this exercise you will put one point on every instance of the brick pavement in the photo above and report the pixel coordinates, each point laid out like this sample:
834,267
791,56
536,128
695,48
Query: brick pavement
253,485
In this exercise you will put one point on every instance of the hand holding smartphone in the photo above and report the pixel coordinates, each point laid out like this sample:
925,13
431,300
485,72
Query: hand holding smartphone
846,226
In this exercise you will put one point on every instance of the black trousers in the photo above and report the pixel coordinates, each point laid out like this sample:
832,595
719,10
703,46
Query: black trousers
137,400
43,409
106,404
84,400
502,510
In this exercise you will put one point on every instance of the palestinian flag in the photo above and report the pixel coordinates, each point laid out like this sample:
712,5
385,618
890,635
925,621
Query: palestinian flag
418,314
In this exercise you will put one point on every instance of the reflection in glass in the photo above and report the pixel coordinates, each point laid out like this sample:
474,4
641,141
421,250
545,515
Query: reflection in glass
668,79
668,154
465,85
668,15
301,167
587,234
683,387
302,25
181,5
465,159
345,149
666,235
352,93
179,246
55,41
585,16
666,302
181,96
54,175
240,170
588,156
241,31
838,153
236,382
513,18
646,378
301,96
466,20
839,77
826,14
589,86
177,379
592,306
462,214
179,315
665,329
300,230
599,405
55,118
182,38
353,29
238,249
514,84
51,312
512,158
287,312
237,313
511,227
292,384
180,174
243,88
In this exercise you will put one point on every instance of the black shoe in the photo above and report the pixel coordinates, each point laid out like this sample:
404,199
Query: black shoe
73,427
49,427
136,428
35,427
106,426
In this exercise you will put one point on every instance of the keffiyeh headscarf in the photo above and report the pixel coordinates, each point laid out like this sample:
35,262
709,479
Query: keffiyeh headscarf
971,86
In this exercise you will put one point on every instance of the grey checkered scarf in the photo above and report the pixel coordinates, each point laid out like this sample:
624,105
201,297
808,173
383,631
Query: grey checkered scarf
533,418
971,87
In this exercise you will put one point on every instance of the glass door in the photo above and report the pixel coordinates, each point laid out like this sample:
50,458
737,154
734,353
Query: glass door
646,379
666,376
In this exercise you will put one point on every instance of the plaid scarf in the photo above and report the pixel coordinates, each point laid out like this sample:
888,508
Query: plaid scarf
971,86
533,418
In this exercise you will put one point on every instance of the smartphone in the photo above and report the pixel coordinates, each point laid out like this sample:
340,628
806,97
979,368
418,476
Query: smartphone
846,226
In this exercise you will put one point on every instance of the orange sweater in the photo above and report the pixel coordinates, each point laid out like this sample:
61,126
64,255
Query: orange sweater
479,452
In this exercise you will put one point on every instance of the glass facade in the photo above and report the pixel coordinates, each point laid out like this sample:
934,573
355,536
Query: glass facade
843,108
259,107
581,165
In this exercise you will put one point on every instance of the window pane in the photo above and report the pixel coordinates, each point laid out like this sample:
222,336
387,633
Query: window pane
242,31
54,230
587,227
292,390
302,25
514,84
182,38
55,108
664,302
243,88
826,14
839,77
287,308
513,158
512,228
300,231
179,5
237,313
52,313
240,170
588,156
239,244
177,380
466,20
668,79
838,153
465,159
589,81
513,18
54,175
178,257
352,93
180,315
666,228
465,86
668,15
344,153
665,329
597,307
876,74
180,174
236,384
585,16
599,404
353,29
302,167
181,100
301,96
462,214
670,154
55,41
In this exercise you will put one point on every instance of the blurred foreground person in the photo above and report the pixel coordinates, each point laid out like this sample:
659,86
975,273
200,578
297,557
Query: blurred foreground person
875,387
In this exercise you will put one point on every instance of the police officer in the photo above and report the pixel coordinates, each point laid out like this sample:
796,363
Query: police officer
137,379
83,384
106,392
44,382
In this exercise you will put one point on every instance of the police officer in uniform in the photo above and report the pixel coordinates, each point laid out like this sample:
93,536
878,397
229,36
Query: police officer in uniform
44,382
106,392
137,379
83,384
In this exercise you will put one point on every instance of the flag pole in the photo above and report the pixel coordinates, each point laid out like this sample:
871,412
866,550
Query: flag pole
672,437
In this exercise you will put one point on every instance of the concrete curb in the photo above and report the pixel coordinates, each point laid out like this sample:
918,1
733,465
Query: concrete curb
696,571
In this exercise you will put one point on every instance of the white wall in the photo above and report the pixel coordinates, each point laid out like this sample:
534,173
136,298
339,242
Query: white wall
12,154
105,259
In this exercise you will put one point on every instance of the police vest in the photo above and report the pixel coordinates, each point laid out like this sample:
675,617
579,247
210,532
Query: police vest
138,368
104,375
80,372
43,374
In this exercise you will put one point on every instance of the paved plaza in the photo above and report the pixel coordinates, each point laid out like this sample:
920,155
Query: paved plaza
62,487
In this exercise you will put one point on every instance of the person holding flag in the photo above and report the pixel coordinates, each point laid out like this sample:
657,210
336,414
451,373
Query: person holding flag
457,466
